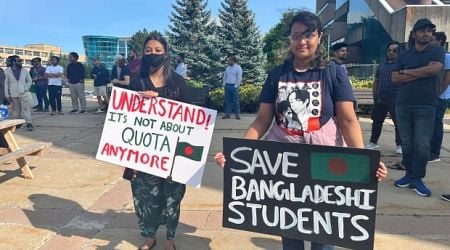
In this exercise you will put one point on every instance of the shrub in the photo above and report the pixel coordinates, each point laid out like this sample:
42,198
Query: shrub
360,84
195,84
248,98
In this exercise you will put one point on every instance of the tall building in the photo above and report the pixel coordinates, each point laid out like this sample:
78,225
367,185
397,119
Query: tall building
367,26
105,48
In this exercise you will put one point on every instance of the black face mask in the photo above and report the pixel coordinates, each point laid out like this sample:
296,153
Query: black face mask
155,61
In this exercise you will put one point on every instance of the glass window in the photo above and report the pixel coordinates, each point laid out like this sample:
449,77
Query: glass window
339,3
9,51
19,52
28,53
36,53
44,54
1,50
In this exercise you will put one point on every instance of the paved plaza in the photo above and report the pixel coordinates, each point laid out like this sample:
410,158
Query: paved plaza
77,202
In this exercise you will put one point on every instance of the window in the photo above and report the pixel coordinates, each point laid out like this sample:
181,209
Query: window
28,53
1,50
36,53
9,51
19,52
44,54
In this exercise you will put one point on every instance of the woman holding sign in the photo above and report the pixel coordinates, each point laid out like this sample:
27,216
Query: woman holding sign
328,119
157,200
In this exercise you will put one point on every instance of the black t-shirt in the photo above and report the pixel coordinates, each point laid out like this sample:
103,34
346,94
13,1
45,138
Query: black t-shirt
422,91
175,87
304,101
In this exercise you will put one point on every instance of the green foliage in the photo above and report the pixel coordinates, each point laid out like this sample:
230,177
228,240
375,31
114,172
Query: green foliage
195,84
239,36
276,41
192,33
137,39
248,98
361,84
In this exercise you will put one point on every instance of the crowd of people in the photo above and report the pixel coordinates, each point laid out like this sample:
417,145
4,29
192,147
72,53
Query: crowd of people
301,102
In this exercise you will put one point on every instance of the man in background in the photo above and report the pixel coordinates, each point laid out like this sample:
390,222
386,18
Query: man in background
384,95
134,64
232,80
100,74
181,67
37,73
75,76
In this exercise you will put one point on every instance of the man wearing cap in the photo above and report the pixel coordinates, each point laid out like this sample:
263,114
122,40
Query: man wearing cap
417,71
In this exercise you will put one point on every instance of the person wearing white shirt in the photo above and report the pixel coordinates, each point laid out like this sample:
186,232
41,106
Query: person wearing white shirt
232,80
54,73
181,68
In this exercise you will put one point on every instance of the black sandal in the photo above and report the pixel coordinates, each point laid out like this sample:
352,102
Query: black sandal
398,166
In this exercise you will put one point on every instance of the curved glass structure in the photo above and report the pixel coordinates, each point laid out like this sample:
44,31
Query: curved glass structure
104,48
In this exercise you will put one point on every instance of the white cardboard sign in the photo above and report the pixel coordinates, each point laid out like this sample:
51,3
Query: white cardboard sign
159,136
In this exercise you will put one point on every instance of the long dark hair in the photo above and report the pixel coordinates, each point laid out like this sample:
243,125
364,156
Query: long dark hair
313,23
146,71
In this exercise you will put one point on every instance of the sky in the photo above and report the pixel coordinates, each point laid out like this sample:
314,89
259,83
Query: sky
63,23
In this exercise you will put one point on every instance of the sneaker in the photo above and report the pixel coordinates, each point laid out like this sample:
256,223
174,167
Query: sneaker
403,182
226,117
53,113
73,111
445,197
420,188
60,113
238,117
82,111
99,111
29,127
398,150
372,145
434,159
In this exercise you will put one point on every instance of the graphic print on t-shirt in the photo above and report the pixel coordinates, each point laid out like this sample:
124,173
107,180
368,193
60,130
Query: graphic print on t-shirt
299,106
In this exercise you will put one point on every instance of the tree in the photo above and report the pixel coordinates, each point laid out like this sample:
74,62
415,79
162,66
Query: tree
240,36
192,33
276,41
137,39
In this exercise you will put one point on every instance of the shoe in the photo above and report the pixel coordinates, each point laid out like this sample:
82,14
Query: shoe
46,110
147,247
445,197
226,117
398,150
403,182
73,111
60,113
238,117
35,107
82,111
372,145
397,166
53,113
29,127
99,111
434,159
419,187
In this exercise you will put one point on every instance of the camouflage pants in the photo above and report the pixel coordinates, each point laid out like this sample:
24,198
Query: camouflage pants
156,202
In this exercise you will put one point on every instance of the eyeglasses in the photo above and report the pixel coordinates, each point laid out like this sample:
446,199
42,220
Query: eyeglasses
307,36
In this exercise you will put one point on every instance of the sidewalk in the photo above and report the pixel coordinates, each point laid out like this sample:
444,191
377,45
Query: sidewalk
77,202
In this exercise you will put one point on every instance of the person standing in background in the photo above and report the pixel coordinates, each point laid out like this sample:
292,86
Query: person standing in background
54,73
100,74
232,80
120,73
75,76
134,64
181,67
41,82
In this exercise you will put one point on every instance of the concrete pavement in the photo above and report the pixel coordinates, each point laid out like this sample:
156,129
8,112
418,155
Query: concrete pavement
77,202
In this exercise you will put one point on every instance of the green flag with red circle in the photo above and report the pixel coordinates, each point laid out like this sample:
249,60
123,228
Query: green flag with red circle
189,151
340,167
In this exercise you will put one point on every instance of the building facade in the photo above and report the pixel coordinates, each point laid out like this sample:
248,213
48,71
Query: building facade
105,48
367,26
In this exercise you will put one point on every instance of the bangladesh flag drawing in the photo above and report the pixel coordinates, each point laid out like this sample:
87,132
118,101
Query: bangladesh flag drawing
340,167
189,151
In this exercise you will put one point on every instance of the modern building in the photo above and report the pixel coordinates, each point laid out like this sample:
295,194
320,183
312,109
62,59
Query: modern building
367,26
30,51
105,48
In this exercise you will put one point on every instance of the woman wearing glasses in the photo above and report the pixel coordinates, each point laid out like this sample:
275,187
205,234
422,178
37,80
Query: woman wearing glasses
330,116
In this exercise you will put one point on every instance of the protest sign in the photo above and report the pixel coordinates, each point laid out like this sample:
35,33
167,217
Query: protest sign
158,136
300,191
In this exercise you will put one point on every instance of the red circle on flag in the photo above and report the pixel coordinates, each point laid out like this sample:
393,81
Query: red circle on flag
188,150
338,166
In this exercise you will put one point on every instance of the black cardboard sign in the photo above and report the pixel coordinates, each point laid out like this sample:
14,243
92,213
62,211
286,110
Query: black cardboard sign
315,193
